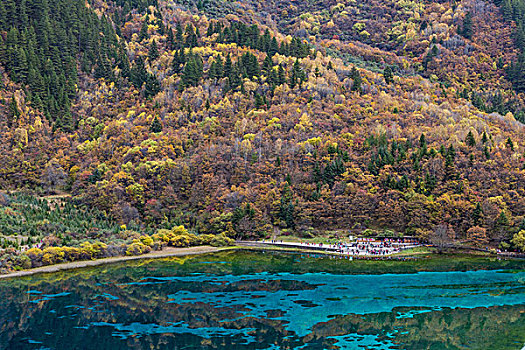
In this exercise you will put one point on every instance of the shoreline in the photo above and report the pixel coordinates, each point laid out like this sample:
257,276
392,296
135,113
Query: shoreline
350,251
171,252
395,256
165,253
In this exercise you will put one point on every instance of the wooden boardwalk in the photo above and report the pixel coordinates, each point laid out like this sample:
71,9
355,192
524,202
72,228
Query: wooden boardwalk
351,249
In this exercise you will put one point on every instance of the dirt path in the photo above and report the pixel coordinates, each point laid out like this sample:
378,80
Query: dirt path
85,263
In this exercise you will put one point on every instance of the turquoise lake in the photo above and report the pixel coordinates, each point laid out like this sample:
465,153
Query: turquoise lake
263,300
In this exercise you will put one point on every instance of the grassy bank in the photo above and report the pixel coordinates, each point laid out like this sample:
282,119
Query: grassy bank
165,253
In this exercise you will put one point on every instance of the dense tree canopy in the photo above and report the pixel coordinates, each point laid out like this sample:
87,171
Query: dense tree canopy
44,40
386,116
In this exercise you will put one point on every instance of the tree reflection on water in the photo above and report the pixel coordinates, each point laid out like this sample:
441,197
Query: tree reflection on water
256,300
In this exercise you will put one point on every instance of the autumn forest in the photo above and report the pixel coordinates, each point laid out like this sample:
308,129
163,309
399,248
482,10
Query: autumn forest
128,125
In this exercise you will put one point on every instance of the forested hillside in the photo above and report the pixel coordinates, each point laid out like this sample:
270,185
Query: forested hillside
43,45
252,118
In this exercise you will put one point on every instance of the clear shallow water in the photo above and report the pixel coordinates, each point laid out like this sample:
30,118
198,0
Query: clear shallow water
255,300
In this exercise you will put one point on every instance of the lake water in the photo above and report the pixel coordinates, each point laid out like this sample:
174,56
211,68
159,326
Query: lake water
258,300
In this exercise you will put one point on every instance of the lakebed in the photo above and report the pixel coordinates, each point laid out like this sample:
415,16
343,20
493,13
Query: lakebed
253,299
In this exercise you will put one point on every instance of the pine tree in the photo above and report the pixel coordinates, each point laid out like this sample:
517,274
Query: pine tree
191,36
258,101
156,125
356,77
388,75
138,73
123,62
449,162
486,152
502,226
143,34
422,141
210,30
170,40
299,72
179,59
179,38
484,138
218,67
152,86
20,68
160,25
250,65
470,140
267,64
520,116
451,152
510,144
516,72
476,215
281,75
423,148
3,15
235,79
193,71
293,75
227,69
23,18
14,112
103,69
466,30
153,51
212,72
287,208
434,51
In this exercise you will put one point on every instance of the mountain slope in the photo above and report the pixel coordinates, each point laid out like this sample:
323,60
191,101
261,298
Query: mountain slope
257,117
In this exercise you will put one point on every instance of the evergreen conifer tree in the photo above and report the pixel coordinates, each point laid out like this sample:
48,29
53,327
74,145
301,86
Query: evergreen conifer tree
484,138
227,68
179,60
258,101
267,64
191,36
143,34
388,74
179,38
152,86
210,30
510,144
476,215
466,30
470,140
14,112
486,152
193,71
153,51
156,125
356,77
170,40
281,75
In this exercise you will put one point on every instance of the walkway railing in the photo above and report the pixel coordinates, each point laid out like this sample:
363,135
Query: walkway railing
353,249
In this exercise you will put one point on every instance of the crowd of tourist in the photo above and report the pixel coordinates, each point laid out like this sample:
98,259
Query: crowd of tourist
360,246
